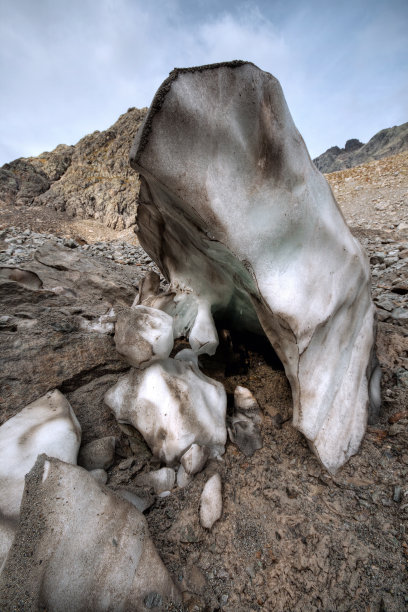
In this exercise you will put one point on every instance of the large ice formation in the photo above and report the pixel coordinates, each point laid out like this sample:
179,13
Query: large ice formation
245,228
173,405
47,425
80,546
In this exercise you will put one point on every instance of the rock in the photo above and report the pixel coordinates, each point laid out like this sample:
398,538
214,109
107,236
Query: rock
47,425
143,335
195,458
161,480
244,400
400,314
211,502
397,429
173,405
402,377
100,476
245,434
255,264
20,182
62,293
142,500
183,478
397,494
244,430
98,454
64,510
377,258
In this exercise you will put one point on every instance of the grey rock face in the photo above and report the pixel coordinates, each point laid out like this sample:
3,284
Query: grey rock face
46,342
99,183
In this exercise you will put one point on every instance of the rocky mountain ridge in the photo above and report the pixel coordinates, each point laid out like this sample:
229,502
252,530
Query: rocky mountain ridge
389,141
91,179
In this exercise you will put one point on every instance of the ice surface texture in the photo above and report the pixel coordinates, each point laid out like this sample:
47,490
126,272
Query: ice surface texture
245,227
173,405
47,425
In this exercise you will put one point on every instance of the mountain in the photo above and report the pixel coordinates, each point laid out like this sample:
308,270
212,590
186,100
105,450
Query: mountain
92,179
386,142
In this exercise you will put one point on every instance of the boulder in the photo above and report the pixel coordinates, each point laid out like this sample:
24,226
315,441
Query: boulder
81,547
60,306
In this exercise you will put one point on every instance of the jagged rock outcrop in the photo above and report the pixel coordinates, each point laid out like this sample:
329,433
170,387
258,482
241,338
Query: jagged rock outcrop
386,142
89,180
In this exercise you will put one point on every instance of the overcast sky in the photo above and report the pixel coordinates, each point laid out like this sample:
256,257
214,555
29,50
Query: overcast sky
69,67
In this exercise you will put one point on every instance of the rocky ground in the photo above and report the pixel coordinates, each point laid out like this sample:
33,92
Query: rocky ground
291,536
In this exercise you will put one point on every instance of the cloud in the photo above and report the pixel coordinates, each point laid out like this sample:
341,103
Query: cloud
70,68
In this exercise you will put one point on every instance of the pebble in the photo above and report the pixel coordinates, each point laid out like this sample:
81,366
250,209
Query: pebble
153,600
98,454
397,494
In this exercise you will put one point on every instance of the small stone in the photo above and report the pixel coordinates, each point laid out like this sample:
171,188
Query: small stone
183,478
98,454
161,480
153,600
100,476
224,599
391,260
397,494
195,458
400,314
377,258
126,463
397,429
211,502
142,500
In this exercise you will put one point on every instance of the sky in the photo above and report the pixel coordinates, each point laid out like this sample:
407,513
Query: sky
68,68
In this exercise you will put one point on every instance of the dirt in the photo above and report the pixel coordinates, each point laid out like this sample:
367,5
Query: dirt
44,219
291,537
